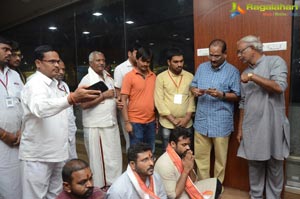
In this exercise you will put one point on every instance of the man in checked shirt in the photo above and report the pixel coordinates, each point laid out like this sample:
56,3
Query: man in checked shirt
217,86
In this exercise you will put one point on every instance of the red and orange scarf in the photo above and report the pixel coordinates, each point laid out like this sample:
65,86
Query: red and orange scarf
144,191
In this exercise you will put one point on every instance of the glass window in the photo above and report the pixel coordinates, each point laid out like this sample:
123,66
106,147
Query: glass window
109,27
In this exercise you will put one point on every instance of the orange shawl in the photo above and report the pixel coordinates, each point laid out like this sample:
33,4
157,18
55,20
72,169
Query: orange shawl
190,188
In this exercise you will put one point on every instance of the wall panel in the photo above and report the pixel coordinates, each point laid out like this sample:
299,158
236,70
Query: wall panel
212,20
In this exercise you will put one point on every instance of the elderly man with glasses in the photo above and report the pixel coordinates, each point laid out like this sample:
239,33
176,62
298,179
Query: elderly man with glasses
264,131
217,86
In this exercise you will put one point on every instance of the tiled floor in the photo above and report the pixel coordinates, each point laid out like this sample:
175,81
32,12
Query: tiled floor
229,193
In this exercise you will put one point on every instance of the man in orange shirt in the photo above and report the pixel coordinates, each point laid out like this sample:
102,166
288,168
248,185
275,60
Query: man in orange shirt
138,90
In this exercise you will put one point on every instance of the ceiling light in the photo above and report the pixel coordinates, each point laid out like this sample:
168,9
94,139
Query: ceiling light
129,22
85,32
97,14
151,44
52,28
188,39
175,35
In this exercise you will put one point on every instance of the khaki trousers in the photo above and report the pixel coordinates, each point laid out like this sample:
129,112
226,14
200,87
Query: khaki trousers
203,146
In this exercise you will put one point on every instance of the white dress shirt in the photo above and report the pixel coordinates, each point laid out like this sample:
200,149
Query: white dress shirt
45,121
120,71
103,114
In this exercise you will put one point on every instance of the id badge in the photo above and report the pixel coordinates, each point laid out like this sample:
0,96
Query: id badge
178,99
9,102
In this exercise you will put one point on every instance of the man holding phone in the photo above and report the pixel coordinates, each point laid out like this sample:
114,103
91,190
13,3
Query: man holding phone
99,119
217,86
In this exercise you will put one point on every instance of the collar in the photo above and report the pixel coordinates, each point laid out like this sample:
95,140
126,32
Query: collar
128,64
46,79
94,77
175,75
140,186
137,72
5,70
257,62
220,67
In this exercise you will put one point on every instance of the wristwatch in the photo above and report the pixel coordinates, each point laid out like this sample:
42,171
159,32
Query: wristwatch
250,76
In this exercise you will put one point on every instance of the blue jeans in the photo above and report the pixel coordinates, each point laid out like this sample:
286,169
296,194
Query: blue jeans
165,133
143,133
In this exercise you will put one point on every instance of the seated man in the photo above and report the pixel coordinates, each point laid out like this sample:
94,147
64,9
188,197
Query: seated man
78,182
175,167
140,180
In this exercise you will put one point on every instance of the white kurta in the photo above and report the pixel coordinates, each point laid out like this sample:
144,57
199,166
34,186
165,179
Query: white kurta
44,142
45,121
10,120
101,135
64,88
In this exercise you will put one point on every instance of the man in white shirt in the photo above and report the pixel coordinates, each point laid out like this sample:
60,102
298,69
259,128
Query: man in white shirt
139,180
119,73
10,125
101,131
64,88
44,142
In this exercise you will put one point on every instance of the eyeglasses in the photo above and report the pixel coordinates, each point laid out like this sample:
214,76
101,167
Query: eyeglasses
241,51
217,57
52,61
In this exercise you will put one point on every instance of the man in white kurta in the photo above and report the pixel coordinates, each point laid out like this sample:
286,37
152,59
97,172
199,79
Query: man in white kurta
10,124
64,88
44,142
101,131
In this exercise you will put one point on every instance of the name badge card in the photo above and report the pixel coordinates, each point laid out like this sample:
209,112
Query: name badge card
9,102
178,99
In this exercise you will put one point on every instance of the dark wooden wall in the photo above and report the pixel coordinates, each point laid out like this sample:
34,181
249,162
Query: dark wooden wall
212,20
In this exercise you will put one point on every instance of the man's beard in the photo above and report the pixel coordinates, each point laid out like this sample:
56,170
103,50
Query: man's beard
86,194
183,154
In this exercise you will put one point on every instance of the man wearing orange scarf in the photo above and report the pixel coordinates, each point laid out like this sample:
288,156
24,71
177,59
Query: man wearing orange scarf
175,167
139,181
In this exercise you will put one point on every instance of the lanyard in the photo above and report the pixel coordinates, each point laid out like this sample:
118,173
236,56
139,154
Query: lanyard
177,86
6,82
63,88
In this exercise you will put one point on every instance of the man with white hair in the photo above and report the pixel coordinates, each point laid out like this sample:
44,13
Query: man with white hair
263,130
101,131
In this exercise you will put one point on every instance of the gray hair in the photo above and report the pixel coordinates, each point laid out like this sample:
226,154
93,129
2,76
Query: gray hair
92,54
253,41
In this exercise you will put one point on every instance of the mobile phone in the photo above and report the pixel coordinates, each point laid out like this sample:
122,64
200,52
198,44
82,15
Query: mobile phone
101,86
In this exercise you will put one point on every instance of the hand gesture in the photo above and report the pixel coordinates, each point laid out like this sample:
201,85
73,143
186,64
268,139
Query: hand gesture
109,93
188,161
197,92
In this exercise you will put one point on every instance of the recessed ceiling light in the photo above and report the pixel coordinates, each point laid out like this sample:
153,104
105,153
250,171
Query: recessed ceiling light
187,38
97,14
85,32
175,35
52,28
129,22
151,44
